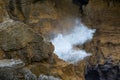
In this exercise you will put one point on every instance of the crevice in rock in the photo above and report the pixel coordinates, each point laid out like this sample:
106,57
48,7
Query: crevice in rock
106,71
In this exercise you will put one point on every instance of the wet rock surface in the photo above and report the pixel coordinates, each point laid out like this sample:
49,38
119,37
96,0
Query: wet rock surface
11,63
107,71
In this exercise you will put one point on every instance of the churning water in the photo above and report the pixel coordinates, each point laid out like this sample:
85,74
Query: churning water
64,44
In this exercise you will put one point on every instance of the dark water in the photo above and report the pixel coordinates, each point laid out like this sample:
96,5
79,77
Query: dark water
103,72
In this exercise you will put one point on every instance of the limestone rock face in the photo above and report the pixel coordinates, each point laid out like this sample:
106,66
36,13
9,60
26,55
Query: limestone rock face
20,38
106,43
19,41
105,18
3,11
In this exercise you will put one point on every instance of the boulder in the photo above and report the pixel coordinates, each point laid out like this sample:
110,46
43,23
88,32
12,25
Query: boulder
17,40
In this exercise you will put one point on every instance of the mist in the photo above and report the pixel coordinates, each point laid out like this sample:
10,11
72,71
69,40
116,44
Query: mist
64,43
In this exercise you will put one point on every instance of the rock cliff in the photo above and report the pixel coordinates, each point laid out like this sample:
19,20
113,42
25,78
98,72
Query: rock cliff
104,16
26,27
